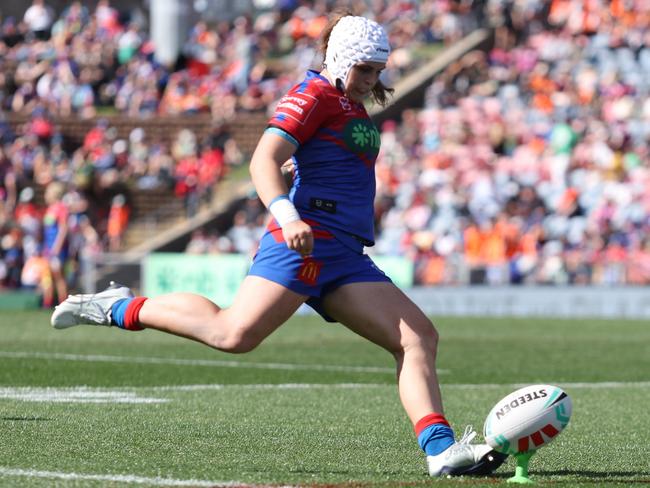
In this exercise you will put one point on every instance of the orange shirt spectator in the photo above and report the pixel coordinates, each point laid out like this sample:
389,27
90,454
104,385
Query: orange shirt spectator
118,220
433,270
315,26
473,244
510,235
36,275
638,265
494,247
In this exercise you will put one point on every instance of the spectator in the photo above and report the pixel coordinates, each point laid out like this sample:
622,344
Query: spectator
7,181
38,18
128,44
41,125
73,19
83,97
55,237
211,170
29,216
118,220
187,183
96,136
36,276
107,19
244,235
12,257
198,243
158,170
200,49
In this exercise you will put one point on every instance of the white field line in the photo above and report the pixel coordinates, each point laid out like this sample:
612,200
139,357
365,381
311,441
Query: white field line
576,385
99,358
458,386
115,478
267,386
75,395
85,394
131,394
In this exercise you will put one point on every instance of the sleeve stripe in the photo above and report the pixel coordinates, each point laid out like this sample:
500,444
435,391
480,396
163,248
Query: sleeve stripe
285,135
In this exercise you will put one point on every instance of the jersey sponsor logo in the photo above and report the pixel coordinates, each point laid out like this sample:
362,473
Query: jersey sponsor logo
361,136
309,271
297,106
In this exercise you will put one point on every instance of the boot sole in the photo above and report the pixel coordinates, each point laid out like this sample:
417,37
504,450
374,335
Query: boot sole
486,466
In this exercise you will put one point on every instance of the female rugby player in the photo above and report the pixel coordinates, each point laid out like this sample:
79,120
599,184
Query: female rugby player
313,249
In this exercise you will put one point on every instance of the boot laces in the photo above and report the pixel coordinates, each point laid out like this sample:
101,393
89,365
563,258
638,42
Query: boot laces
468,435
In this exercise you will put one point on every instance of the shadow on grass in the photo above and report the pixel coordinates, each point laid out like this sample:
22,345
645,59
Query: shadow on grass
632,477
26,419
587,477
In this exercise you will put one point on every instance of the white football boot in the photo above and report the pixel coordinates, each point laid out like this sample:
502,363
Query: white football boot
90,309
463,458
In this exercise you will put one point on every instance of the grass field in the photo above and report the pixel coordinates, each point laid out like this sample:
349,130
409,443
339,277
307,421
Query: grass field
313,406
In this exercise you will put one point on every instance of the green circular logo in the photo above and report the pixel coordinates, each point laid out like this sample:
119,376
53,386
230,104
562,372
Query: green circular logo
362,136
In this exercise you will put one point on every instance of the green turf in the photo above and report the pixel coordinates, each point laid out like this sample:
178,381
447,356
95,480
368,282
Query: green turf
347,428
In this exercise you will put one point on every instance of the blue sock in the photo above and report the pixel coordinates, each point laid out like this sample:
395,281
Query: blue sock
435,439
118,310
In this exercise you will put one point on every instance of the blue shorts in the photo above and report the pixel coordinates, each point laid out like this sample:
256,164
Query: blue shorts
331,265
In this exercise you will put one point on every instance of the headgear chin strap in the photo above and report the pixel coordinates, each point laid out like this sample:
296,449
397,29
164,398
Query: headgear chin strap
354,40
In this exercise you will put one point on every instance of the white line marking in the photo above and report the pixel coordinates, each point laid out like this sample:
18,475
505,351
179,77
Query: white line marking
129,394
266,386
567,385
75,395
588,385
30,473
197,362
457,386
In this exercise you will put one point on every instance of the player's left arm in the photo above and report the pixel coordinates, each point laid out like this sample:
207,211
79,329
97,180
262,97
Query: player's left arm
271,153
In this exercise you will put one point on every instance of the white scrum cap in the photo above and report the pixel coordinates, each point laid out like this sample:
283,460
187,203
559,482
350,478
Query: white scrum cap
354,40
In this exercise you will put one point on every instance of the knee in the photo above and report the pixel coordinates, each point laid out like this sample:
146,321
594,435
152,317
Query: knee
424,339
237,345
237,339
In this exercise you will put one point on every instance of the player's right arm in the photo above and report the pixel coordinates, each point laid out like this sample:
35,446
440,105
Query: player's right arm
271,153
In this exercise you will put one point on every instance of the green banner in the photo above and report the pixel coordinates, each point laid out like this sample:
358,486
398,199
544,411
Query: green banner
399,269
218,277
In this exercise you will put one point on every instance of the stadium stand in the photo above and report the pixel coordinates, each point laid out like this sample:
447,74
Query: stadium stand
527,162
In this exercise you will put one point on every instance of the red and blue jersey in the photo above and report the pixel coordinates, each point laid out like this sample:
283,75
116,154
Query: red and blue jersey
337,145
56,215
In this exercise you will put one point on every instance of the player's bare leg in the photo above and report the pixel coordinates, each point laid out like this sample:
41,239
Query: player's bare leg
260,307
383,314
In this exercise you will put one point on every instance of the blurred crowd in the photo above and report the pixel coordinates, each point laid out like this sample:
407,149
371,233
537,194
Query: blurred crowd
527,163
86,59
63,205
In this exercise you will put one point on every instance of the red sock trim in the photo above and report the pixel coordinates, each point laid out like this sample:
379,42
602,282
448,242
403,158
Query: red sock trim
426,421
132,314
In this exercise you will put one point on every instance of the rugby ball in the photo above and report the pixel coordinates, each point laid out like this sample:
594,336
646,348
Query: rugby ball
527,419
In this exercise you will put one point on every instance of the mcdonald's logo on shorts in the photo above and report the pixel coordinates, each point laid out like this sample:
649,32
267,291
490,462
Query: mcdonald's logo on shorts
309,271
